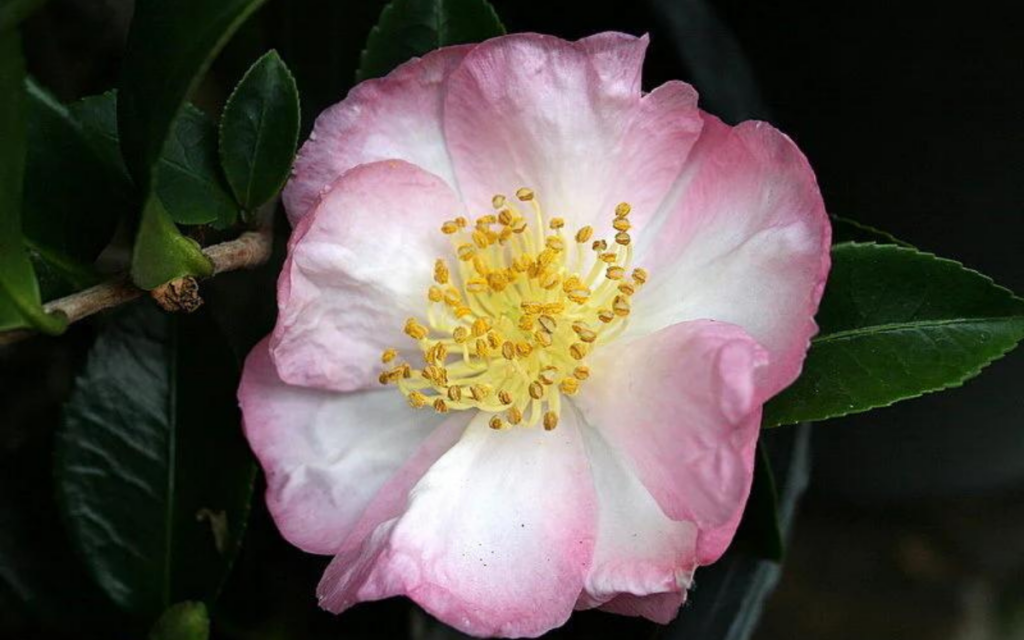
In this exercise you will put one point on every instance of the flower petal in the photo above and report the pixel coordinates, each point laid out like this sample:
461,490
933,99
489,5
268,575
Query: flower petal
567,119
358,267
327,456
394,117
496,539
659,607
639,550
683,404
743,238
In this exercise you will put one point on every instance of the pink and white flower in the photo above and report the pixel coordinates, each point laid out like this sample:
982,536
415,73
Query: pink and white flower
507,407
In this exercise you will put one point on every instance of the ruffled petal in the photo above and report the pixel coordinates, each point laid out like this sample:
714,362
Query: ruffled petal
744,239
329,456
394,117
496,538
358,267
568,120
683,404
639,550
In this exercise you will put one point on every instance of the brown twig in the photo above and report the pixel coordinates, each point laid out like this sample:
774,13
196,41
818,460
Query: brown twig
249,250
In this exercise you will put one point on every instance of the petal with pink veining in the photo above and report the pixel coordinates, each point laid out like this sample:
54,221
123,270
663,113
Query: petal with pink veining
743,238
683,404
496,539
327,455
358,266
394,117
568,120
639,550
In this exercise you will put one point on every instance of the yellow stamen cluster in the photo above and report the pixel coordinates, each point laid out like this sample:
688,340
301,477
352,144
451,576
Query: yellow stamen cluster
512,320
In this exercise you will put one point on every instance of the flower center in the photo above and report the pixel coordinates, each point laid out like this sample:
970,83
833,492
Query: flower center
509,332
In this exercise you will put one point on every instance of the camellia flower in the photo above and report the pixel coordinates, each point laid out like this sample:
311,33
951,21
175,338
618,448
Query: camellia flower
528,319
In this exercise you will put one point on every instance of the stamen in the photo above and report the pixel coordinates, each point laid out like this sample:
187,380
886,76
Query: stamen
518,313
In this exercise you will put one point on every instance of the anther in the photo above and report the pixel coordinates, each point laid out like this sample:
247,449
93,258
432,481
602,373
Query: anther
554,243
481,326
622,210
498,281
455,393
415,330
581,372
569,386
557,223
640,275
478,392
599,245
452,297
587,335
622,238
584,234
449,227
514,415
465,252
417,400
505,397
523,349
440,406
498,201
435,294
548,375
495,423
536,390
615,272
621,224
460,334
480,239
543,338
509,351
605,315
388,355
578,350
524,194
627,288
620,305
547,323
550,420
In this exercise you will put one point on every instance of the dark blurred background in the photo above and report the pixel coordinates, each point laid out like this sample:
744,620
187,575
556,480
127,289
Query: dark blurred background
911,114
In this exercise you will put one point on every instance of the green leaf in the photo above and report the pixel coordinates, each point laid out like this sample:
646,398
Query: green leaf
154,476
259,131
189,185
13,12
189,181
59,275
897,323
183,621
20,304
37,565
161,253
97,117
170,46
760,533
409,28
73,218
847,230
